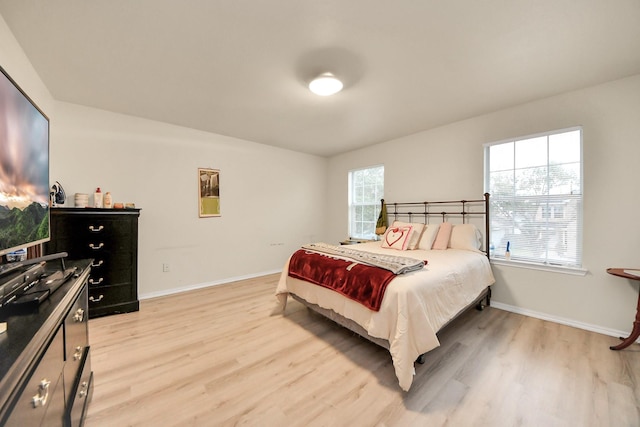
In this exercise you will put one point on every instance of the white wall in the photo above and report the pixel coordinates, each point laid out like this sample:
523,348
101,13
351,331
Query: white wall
447,162
272,200
18,66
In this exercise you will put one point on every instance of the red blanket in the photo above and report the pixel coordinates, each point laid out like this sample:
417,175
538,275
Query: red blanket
359,282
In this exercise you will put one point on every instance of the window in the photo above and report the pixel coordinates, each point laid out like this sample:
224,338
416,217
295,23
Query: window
366,188
535,184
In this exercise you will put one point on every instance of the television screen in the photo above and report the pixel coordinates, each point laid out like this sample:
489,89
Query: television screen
24,169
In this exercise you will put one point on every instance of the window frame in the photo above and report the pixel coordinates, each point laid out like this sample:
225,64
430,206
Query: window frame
569,268
352,204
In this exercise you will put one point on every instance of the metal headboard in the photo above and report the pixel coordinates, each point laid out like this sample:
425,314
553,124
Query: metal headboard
464,210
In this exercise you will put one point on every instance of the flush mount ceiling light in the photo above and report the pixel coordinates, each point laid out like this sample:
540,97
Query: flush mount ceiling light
325,84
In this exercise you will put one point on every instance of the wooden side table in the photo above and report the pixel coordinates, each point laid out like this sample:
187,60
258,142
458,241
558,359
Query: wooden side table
635,333
354,241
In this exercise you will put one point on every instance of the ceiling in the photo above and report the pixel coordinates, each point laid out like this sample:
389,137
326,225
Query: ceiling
241,67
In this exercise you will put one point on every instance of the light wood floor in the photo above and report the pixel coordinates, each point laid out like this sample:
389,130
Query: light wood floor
216,357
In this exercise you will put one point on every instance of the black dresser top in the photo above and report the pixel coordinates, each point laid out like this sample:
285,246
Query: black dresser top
70,210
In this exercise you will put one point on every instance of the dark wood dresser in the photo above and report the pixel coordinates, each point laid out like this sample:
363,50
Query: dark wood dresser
110,238
45,364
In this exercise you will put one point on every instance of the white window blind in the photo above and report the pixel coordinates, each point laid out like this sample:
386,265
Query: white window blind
366,188
535,184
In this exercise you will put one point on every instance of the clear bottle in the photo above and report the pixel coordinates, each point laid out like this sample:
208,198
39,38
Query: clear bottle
97,198
108,201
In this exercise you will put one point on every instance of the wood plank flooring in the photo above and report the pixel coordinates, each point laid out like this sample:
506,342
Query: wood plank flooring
217,357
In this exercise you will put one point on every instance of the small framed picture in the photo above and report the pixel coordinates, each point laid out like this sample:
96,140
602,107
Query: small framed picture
208,192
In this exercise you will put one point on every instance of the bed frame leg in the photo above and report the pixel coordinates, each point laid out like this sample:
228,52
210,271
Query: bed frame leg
484,302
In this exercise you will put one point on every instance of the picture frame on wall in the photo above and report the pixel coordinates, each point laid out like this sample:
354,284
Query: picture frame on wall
208,192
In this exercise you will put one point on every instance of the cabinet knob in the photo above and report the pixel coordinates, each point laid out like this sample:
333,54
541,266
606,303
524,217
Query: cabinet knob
79,315
78,353
96,229
98,264
96,282
95,247
40,399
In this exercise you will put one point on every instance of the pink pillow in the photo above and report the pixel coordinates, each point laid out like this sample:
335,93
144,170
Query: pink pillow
442,239
397,238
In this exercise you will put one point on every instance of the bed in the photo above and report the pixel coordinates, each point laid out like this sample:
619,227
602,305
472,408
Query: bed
414,306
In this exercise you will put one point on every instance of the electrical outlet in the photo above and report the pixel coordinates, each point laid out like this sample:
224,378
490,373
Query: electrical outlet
165,267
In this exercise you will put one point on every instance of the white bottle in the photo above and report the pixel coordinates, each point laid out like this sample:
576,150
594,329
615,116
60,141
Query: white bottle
108,202
97,198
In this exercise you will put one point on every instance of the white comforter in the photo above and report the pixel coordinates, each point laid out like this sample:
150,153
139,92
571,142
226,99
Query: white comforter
415,305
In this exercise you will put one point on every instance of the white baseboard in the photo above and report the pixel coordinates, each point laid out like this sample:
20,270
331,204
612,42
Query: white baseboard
204,285
561,320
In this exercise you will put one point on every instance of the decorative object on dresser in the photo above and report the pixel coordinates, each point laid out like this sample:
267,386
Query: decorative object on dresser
110,238
45,368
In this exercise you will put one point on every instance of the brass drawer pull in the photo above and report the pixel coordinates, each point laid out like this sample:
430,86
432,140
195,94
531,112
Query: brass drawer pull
96,229
100,246
96,282
41,398
79,315
78,353
92,299
94,265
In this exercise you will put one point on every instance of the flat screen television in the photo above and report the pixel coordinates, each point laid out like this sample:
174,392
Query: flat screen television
24,169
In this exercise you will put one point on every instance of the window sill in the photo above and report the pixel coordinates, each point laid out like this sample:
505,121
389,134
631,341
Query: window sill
531,266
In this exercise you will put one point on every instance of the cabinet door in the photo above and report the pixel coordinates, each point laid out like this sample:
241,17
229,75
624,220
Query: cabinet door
76,340
42,400
82,391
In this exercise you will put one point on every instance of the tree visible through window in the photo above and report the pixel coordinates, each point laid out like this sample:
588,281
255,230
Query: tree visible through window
535,184
366,188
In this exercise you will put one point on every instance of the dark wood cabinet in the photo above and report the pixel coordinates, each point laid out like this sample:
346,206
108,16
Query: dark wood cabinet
45,368
110,238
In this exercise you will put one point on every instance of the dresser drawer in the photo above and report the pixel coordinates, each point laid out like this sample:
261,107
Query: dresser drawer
105,296
112,277
94,247
94,227
42,394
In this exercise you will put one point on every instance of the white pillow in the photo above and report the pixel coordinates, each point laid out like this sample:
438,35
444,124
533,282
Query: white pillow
428,236
465,236
415,234
397,238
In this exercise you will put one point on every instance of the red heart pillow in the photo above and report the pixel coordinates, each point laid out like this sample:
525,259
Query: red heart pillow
397,238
